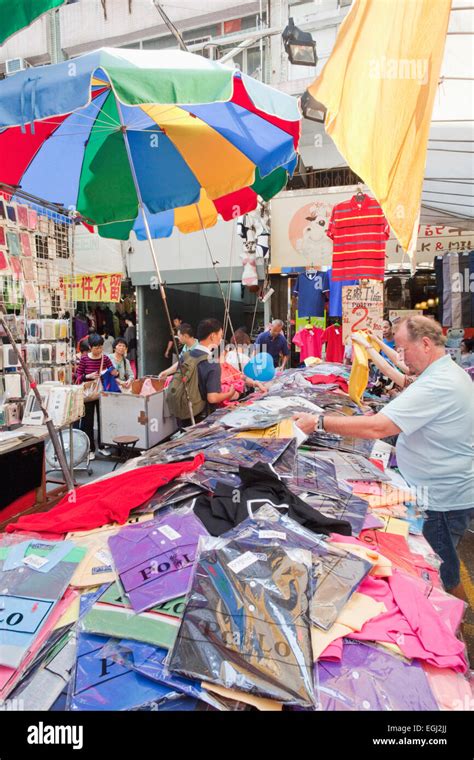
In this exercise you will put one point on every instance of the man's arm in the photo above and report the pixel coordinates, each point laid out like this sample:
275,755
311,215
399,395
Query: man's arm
371,426
284,362
167,372
217,398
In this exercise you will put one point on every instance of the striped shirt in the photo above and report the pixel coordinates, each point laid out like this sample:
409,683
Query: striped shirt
359,232
87,366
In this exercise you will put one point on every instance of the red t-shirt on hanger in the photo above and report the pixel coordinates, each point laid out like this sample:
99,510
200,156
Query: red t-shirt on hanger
334,345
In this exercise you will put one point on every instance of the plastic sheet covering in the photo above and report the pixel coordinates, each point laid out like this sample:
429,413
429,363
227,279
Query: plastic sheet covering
315,483
149,661
235,452
169,495
322,440
268,411
353,466
40,572
246,623
154,560
370,679
99,683
335,574
42,686
111,615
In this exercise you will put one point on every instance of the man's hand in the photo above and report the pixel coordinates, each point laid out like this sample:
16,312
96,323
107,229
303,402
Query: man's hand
306,422
360,340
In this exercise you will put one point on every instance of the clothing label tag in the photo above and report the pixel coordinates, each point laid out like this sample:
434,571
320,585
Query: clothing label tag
271,534
240,563
169,532
224,452
105,556
35,561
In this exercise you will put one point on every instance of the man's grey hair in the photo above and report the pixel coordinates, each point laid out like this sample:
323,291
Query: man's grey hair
422,327
278,322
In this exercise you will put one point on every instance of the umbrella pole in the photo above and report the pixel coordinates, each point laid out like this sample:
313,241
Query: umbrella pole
153,254
219,282
49,424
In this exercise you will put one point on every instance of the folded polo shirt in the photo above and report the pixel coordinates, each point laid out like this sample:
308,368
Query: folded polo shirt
246,623
154,560
111,615
370,679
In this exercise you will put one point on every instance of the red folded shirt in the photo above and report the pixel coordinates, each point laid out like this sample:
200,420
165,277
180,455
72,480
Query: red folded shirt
318,379
108,501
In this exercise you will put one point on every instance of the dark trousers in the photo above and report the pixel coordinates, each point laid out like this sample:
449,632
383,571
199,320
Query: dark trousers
87,422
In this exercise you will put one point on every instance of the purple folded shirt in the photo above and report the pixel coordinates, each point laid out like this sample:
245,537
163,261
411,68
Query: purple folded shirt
371,679
154,560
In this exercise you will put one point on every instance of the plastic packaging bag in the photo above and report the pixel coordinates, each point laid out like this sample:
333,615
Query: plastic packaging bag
154,560
370,679
246,623
34,574
111,615
336,574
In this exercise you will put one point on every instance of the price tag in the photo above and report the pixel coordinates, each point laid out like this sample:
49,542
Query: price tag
169,532
240,563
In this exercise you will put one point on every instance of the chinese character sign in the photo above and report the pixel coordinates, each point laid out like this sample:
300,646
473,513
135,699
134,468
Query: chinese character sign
362,308
94,287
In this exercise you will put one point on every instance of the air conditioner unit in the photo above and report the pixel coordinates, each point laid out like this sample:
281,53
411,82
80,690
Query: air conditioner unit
13,65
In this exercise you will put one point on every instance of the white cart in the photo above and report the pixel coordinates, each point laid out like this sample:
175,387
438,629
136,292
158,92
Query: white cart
146,417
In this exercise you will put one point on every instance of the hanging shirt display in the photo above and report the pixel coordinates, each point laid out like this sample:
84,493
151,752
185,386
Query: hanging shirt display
246,621
332,336
154,561
335,294
310,340
310,289
359,232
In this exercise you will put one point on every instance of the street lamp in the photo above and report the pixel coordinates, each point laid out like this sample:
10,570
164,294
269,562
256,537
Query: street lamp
299,46
312,109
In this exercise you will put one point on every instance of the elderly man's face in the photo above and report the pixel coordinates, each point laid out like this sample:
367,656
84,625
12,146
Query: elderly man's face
276,330
416,354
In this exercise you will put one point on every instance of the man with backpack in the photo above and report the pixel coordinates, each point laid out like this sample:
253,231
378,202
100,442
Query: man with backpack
200,374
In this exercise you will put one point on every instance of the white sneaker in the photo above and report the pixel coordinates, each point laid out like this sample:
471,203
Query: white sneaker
104,452
91,456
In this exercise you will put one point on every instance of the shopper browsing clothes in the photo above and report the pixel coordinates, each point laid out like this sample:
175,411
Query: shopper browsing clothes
206,393
401,378
170,348
186,338
121,363
275,342
89,369
434,420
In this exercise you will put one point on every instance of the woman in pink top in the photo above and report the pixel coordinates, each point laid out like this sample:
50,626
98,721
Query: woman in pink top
89,369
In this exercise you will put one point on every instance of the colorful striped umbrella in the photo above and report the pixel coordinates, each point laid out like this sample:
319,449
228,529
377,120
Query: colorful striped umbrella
146,140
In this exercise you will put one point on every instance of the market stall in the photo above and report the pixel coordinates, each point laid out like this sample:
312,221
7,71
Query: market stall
333,512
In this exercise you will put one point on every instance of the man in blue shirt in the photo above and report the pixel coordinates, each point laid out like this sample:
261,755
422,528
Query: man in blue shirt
434,421
275,342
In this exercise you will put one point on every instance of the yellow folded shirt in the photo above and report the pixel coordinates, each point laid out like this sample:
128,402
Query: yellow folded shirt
360,368
354,615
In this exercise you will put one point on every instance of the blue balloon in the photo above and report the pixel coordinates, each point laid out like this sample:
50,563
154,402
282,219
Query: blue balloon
260,367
